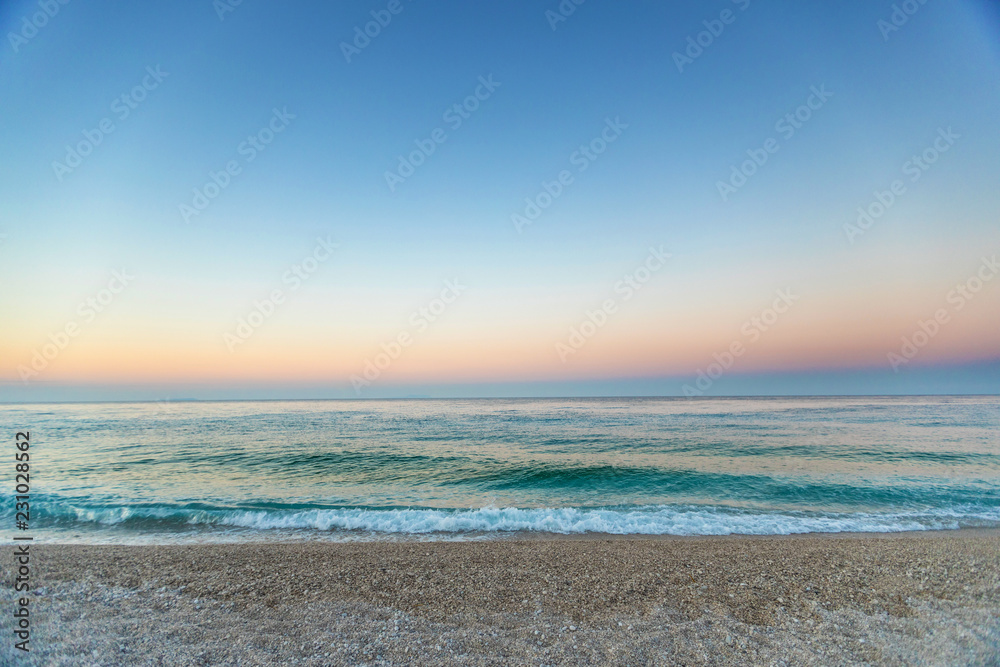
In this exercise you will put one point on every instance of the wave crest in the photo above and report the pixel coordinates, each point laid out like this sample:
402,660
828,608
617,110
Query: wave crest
646,520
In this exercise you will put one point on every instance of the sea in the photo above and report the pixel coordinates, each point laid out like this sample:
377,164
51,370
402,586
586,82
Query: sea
343,470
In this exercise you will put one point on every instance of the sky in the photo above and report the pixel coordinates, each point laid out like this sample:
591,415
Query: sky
387,199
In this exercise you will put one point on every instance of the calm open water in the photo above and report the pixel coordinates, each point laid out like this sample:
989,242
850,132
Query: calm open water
227,471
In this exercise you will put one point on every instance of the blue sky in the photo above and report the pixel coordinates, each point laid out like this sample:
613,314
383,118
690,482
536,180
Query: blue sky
656,184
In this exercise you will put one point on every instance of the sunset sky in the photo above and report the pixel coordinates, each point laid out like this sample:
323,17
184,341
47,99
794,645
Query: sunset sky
216,201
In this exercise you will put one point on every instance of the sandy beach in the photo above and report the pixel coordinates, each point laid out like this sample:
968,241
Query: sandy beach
926,598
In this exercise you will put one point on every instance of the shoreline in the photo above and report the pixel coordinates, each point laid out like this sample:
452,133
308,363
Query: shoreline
936,532
895,598
319,537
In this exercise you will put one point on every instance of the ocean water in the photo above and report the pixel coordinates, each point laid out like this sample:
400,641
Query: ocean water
477,469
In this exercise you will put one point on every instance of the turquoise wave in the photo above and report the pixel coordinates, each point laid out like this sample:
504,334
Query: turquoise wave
644,466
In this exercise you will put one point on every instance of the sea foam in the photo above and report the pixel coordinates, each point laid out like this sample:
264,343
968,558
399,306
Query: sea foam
649,520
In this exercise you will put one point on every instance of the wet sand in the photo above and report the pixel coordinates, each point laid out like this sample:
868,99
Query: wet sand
928,598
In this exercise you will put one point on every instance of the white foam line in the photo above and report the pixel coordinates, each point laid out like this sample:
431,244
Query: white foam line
651,520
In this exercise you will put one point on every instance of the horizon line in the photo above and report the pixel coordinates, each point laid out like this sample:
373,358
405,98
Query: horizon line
504,398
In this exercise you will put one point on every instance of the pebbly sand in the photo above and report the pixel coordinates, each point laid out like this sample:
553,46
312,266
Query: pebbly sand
917,598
